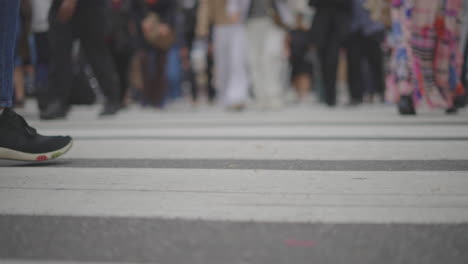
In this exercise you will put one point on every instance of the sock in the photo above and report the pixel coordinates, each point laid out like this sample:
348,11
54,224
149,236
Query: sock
1,111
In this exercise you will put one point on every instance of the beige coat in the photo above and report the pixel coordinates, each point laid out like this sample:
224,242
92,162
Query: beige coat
211,12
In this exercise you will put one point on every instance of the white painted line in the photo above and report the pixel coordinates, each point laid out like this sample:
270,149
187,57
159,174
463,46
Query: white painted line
415,183
269,150
272,196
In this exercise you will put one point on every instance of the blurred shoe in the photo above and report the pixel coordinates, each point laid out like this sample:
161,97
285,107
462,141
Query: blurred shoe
55,110
355,102
110,109
406,106
19,141
330,104
452,110
236,108
460,101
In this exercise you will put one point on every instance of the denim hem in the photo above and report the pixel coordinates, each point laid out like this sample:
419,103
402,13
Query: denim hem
6,104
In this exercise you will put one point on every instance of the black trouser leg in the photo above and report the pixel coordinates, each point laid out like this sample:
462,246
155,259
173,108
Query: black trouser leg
154,76
209,72
41,41
89,25
329,56
464,73
42,69
122,64
355,67
193,83
60,68
375,57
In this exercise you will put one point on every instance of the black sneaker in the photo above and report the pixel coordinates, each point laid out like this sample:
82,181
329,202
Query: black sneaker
19,141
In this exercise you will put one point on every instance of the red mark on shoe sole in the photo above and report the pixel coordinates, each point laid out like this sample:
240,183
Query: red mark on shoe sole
300,243
42,158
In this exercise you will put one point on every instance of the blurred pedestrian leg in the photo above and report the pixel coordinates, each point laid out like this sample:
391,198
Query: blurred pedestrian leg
300,58
426,62
87,24
174,74
230,46
158,24
154,66
231,56
328,32
266,50
40,28
364,45
121,41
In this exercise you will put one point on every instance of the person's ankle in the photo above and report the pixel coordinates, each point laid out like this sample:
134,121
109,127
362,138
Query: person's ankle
1,110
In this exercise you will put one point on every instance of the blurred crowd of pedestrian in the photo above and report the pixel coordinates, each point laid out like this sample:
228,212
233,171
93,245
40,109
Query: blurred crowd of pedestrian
240,53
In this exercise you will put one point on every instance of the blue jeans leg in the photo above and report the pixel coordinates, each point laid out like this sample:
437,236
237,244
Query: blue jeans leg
8,26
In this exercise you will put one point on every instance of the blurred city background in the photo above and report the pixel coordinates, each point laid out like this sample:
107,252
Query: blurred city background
237,131
262,55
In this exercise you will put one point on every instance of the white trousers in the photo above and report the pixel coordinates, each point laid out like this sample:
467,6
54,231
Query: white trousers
230,58
267,61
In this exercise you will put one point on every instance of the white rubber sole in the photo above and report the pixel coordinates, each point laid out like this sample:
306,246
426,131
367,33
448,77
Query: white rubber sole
9,154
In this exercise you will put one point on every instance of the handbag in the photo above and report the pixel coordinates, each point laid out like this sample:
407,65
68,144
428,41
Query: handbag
152,35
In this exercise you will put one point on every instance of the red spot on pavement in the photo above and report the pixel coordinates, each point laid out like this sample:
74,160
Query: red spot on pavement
300,243
42,158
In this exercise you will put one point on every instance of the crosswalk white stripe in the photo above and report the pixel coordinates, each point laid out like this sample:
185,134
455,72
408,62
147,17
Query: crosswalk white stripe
431,183
234,207
273,196
271,150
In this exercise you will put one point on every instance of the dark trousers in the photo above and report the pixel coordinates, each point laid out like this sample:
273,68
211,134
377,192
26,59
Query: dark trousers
42,69
328,56
464,75
211,90
192,78
122,60
363,49
153,64
328,32
89,26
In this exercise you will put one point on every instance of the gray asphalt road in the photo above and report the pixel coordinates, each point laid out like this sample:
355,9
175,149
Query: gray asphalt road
91,239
